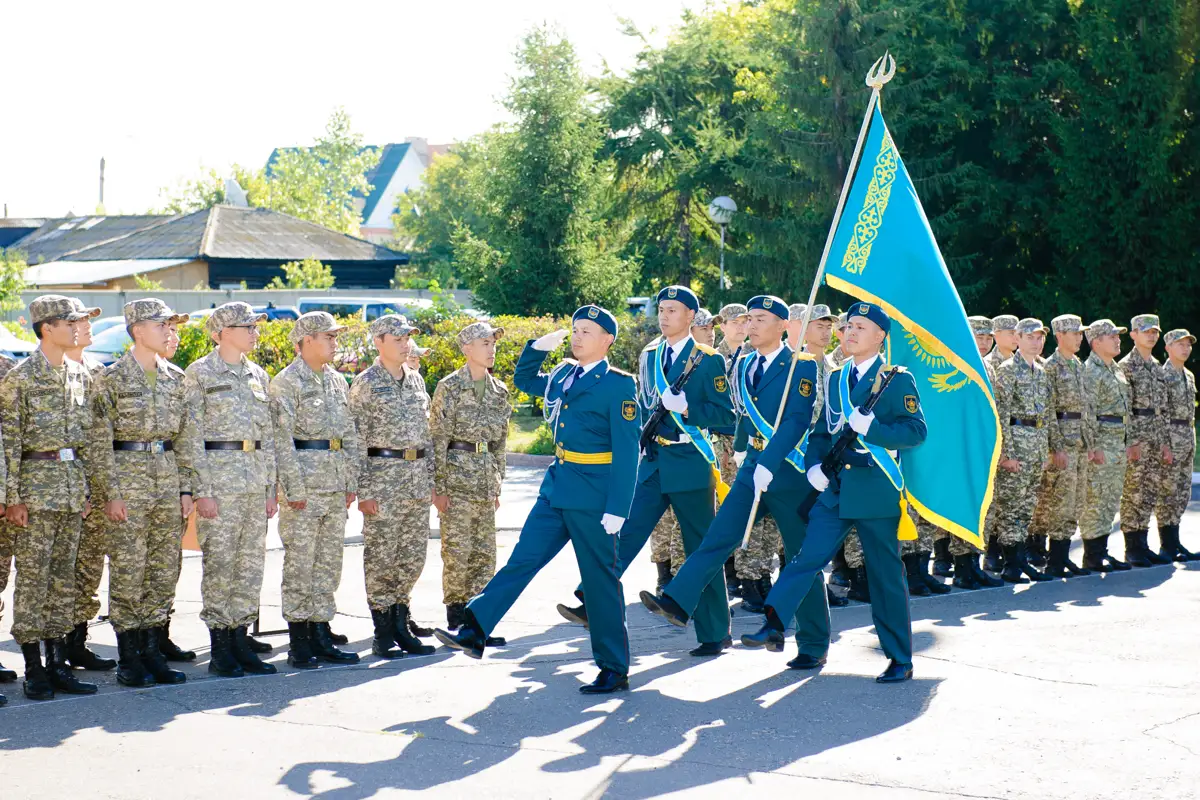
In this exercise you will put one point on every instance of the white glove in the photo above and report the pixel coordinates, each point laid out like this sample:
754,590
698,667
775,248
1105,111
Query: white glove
551,340
738,458
762,478
674,401
612,524
861,422
816,476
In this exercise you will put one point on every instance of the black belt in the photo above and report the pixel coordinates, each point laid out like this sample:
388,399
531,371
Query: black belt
1025,422
473,447
1144,412
245,444
65,454
156,446
1113,418
1069,415
1181,422
388,452
317,444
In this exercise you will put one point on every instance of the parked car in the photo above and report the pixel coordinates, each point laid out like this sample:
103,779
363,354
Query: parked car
366,308
99,326
277,312
109,345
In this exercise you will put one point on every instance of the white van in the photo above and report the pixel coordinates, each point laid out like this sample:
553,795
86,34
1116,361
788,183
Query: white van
366,308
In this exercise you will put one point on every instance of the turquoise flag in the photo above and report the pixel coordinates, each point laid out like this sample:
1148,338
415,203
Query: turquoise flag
884,252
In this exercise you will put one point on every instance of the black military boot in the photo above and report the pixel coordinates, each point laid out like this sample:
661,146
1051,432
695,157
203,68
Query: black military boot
732,581
257,645
942,560
454,615
840,573
246,657
964,577
1056,561
931,583
1028,569
170,650
61,677
470,638
1134,552
404,638
860,590
1097,558
1154,557
418,630
37,682
835,600
220,655
130,669
1012,572
323,647
765,585
912,572
993,560
1169,546
1036,551
1072,567
664,576
7,676
1180,549
385,633
153,659
752,599
982,577
300,653
80,656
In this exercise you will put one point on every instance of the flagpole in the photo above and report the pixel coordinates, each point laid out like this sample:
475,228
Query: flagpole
880,73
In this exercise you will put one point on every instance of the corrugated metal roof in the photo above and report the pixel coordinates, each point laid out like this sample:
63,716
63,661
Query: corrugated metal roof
69,273
59,237
260,234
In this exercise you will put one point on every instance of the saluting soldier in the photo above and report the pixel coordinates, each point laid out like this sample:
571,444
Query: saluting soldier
1175,492
231,450
316,460
584,499
140,486
45,418
469,420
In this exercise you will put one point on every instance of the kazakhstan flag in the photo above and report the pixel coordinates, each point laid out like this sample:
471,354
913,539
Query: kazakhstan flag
884,252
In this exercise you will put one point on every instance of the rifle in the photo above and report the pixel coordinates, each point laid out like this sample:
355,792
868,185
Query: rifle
835,459
660,411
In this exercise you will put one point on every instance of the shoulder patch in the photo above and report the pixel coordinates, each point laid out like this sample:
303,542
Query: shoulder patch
806,387
911,403
628,410
720,384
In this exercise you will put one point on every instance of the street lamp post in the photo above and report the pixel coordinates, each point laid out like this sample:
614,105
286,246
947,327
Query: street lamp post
721,211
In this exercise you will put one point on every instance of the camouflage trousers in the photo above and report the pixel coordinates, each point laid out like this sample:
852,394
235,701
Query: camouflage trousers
234,548
958,545
758,559
468,548
44,595
1174,491
6,557
1016,494
1060,497
313,538
925,533
89,565
1140,492
666,541
394,543
143,564
852,547
1102,495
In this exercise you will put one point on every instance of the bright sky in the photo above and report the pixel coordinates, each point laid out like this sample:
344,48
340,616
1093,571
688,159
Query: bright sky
161,89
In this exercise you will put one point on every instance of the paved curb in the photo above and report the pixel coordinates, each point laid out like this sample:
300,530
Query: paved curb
526,460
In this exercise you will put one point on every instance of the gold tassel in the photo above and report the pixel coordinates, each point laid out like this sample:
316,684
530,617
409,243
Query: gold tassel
722,486
908,530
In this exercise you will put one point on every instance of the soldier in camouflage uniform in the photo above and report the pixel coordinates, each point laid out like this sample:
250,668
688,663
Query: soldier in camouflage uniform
138,415
1004,332
6,539
1105,435
1026,410
1175,491
45,418
704,328
231,452
1149,438
1060,498
469,422
316,461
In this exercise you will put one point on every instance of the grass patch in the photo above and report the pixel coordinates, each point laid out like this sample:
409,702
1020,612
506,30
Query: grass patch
531,435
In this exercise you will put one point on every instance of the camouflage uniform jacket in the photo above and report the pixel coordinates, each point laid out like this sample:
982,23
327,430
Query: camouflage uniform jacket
1023,392
127,408
1180,387
310,405
995,358
459,415
393,414
727,349
226,403
1066,384
1145,380
42,409
1109,395
6,365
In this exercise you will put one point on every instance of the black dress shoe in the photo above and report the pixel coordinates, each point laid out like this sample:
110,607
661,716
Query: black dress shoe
606,682
803,661
495,641
835,600
575,615
466,640
770,635
712,648
665,607
7,676
895,673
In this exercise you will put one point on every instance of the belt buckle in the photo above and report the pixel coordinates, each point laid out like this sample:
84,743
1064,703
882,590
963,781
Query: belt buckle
247,445
409,454
157,447
66,454
335,444
481,447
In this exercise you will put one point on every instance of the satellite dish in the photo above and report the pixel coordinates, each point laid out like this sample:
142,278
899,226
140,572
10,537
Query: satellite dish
721,210
235,195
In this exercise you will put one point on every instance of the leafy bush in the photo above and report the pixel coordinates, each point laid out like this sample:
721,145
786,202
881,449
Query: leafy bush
18,330
543,442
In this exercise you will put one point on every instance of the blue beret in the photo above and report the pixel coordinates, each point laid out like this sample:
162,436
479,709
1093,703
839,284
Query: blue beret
871,312
769,302
599,316
681,293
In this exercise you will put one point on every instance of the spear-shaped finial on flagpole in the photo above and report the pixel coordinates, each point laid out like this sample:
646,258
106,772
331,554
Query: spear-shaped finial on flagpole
881,71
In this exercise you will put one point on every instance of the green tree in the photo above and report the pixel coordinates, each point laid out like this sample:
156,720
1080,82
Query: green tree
306,274
12,279
147,284
208,190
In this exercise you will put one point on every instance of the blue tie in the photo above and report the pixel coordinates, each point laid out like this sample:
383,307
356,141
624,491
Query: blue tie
575,375
853,377
668,361
758,372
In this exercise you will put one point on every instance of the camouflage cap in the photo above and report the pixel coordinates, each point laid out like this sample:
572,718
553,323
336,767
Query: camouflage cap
230,314
415,349
150,309
395,324
478,330
1031,325
1145,322
1004,322
312,323
821,311
980,325
89,311
796,312
703,319
841,321
732,311
1066,323
1102,327
1179,333
55,306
